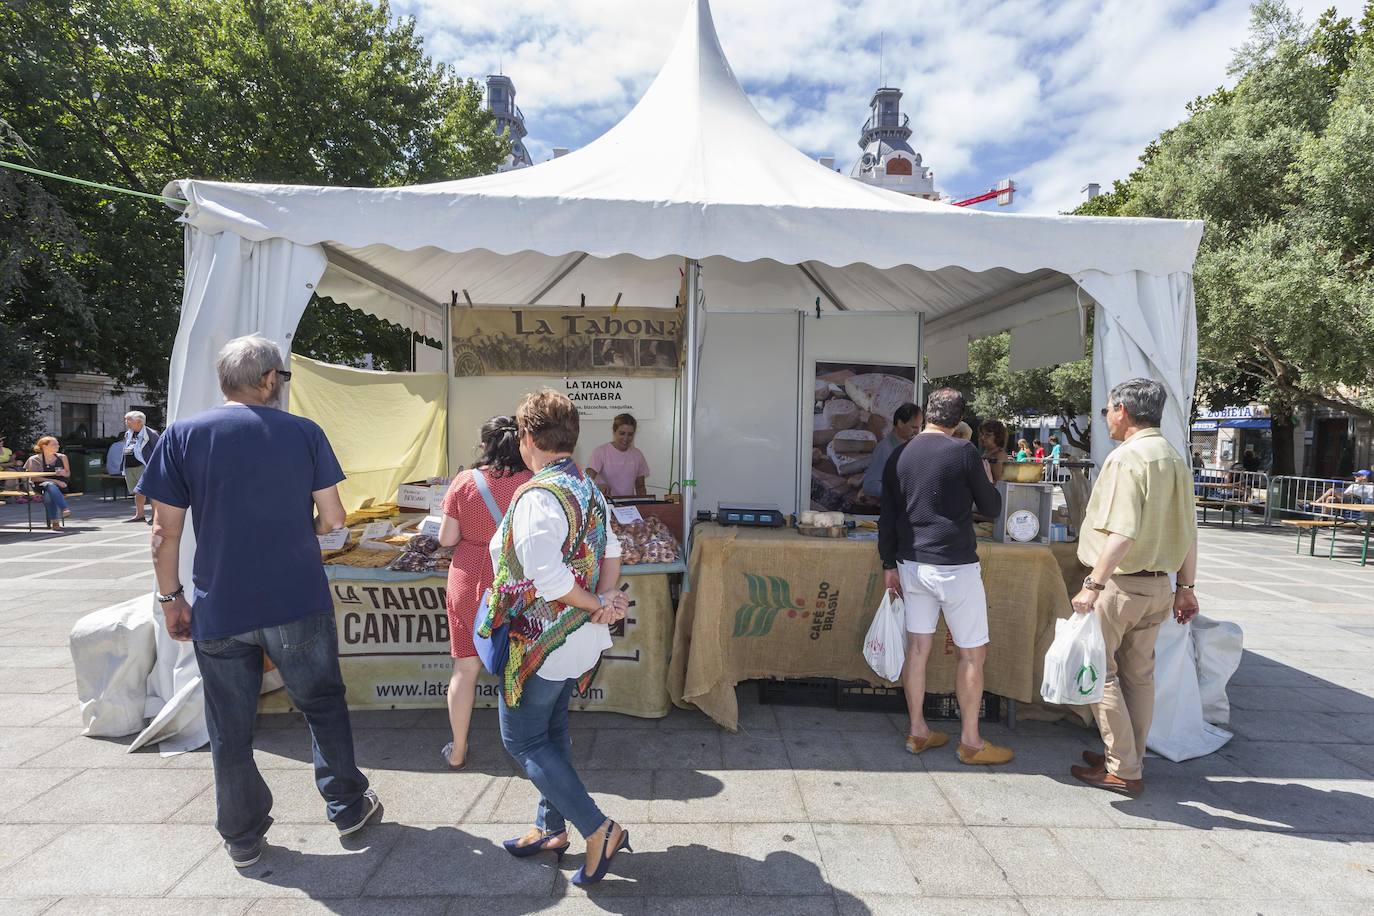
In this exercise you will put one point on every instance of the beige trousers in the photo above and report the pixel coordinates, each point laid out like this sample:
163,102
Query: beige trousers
1131,609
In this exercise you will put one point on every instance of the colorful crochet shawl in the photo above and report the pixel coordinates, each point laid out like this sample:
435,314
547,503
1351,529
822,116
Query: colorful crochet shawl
538,627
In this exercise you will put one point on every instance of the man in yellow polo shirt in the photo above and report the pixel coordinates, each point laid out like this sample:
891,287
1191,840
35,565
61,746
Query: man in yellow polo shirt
1140,527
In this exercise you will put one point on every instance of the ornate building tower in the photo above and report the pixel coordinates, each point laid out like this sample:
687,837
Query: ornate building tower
510,120
888,160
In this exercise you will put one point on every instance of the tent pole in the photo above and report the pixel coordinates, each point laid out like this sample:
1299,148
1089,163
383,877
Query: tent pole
689,407
448,380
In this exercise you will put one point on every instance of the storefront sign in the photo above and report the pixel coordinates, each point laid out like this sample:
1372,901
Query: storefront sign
394,648
604,398
1246,412
543,341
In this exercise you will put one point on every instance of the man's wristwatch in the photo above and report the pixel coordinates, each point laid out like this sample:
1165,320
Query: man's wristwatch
1181,585
1092,584
168,599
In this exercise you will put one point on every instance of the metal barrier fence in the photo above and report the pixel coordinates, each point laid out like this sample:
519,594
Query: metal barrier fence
1236,492
1323,504
1314,497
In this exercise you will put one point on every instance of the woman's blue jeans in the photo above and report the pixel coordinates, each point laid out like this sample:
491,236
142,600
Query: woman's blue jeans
306,652
54,501
536,734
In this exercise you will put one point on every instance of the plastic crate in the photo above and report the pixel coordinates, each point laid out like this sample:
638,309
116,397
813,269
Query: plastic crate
938,706
862,697
811,691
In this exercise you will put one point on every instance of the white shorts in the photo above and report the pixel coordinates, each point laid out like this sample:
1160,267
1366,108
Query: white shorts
957,590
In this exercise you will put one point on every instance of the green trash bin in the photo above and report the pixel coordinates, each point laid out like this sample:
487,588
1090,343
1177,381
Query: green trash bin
76,457
95,470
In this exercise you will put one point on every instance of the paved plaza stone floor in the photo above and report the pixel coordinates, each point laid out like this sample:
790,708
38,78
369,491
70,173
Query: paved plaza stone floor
804,811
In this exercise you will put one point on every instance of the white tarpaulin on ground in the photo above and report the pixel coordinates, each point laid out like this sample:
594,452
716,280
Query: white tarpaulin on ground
692,171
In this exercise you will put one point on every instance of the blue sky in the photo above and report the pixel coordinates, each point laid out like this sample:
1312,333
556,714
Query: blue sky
1052,93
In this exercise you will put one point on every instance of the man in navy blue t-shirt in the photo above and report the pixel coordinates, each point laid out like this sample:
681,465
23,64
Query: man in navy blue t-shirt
259,484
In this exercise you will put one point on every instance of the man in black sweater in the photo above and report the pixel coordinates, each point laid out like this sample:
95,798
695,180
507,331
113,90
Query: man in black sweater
930,558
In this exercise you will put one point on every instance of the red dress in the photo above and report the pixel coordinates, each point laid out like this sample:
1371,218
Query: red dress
470,573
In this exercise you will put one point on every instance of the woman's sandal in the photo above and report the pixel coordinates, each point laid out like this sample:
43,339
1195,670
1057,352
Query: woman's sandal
447,753
607,854
515,848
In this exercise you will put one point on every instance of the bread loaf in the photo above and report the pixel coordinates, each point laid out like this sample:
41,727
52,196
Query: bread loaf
855,441
848,464
837,414
879,393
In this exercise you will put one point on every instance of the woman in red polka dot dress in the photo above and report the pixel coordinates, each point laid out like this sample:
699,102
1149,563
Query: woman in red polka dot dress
468,527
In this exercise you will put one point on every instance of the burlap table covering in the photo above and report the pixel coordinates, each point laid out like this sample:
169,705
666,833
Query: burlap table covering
770,603
394,646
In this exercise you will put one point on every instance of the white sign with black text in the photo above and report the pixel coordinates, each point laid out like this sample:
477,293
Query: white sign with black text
604,398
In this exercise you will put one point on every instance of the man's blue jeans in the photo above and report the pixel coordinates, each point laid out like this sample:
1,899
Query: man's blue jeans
54,501
536,734
306,652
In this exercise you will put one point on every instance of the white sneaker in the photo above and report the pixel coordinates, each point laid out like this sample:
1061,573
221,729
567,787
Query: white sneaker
374,807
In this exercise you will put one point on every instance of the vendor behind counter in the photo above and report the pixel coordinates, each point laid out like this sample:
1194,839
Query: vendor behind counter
617,467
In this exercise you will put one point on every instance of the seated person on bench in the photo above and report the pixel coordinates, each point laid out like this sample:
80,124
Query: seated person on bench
1361,491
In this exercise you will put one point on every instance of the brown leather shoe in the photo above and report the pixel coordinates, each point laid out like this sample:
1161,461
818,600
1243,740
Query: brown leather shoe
935,739
1132,788
1095,760
988,755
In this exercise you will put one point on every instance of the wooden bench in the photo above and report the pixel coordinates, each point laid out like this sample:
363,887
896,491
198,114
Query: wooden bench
1313,525
110,483
19,494
1234,507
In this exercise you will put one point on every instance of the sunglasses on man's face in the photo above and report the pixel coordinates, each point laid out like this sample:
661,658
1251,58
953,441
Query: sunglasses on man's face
1109,409
283,374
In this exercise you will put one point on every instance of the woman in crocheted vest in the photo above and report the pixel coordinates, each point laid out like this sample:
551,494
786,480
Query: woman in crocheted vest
557,566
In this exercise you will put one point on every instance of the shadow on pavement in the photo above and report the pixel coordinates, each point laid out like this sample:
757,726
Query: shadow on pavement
398,861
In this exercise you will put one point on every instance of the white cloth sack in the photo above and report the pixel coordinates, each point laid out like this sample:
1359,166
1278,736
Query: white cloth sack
885,644
173,696
1178,730
114,650
1076,663
1218,646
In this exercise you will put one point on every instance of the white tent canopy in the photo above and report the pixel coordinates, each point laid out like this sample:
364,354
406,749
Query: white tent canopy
692,172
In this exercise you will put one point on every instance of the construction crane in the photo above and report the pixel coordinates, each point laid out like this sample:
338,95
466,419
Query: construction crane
1004,192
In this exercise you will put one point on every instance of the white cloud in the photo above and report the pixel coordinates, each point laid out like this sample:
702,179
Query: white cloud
1056,93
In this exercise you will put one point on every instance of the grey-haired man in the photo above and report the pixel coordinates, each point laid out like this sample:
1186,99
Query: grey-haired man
1140,527
258,584
139,441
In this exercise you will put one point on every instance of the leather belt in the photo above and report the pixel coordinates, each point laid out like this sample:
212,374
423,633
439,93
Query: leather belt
1145,572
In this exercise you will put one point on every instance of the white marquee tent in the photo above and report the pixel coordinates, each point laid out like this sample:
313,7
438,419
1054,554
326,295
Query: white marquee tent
692,174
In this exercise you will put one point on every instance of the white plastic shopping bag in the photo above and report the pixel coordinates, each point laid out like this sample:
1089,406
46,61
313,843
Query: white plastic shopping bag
1076,664
885,644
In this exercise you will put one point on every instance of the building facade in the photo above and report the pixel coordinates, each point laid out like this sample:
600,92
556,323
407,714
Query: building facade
510,121
1221,437
77,406
888,161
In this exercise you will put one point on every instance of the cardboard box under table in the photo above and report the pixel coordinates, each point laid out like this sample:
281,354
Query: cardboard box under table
394,644
769,603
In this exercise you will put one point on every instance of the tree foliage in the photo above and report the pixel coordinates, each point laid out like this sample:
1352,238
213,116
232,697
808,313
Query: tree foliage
136,93
995,392
1281,168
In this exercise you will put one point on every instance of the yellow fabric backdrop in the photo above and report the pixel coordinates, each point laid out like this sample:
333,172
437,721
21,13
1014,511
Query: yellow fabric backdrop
387,428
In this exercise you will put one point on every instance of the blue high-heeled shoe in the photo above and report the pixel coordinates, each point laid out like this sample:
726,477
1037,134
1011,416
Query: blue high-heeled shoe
582,878
523,852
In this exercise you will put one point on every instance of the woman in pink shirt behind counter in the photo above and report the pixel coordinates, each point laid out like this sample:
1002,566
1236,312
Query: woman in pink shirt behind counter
617,467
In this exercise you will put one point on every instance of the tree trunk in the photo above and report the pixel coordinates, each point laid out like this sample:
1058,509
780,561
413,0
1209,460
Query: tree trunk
1281,429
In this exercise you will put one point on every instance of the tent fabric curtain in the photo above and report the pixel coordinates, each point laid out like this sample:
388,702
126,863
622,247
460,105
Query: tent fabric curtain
233,287
386,428
1146,326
